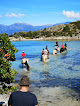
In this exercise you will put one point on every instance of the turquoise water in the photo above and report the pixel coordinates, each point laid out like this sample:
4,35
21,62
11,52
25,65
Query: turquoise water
60,70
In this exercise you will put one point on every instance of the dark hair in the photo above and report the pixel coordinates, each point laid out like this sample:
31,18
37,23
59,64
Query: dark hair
56,42
65,44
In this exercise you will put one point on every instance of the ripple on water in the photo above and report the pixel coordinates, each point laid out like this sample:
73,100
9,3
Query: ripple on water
60,70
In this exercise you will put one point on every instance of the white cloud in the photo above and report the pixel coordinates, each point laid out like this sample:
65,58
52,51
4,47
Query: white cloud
0,15
14,15
71,14
21,14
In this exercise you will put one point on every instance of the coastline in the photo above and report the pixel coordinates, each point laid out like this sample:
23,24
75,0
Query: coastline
52,96
60,96
46,38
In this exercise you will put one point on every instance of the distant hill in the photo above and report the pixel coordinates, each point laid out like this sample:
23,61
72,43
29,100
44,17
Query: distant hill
67,29
18,27
60,31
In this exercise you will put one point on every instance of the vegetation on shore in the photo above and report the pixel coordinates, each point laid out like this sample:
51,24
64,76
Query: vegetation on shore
7,54
71,29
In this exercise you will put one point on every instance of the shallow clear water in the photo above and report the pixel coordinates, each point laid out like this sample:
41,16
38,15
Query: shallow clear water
60,70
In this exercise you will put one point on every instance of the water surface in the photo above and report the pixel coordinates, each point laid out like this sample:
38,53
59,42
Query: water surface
60,70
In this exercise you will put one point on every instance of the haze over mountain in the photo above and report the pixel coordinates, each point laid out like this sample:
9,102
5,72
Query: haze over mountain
17,27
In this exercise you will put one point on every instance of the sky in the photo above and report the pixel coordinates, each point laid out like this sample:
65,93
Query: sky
39,12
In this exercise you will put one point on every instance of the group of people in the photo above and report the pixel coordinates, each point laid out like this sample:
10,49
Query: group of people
63,47
24,97
45,52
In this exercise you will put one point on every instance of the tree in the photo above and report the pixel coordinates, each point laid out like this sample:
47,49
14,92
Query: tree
29,34
66,28
7,51
15,33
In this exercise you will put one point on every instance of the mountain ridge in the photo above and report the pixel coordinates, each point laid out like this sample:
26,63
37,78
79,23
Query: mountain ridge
17,27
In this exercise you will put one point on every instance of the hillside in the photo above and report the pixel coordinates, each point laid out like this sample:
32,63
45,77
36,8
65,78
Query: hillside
70,30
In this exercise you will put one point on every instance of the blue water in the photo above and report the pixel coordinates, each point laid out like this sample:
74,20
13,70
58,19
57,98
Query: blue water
60,70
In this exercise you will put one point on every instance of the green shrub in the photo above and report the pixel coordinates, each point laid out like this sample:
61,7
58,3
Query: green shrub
7,54
66,28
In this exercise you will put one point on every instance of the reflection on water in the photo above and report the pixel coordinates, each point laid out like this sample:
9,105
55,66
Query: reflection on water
61,69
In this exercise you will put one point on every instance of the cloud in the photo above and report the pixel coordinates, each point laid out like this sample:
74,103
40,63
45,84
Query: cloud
21,14
71,14
14,15
0,15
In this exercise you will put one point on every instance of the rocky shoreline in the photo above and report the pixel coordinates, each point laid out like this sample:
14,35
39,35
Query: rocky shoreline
57,96
46,38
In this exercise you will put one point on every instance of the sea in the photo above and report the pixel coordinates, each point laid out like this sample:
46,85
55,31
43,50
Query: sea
56,82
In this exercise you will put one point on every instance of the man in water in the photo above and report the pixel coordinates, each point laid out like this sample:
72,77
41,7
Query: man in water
65,46
45,52
23,54
23,97
57,46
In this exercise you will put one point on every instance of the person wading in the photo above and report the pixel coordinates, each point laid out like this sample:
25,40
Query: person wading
23,97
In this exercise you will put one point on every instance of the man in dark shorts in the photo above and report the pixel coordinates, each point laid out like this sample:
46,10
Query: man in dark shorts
23,97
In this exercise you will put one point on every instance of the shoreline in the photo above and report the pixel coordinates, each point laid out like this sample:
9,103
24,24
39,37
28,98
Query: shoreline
60,38
60,96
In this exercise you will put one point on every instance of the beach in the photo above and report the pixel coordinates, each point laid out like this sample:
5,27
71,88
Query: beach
52,96
46,38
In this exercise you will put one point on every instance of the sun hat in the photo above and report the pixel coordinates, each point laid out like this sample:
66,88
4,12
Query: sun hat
24,81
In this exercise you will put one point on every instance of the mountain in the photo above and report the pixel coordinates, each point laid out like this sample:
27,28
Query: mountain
17,27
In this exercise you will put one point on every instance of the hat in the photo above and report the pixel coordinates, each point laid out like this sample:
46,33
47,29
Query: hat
24,81
23,51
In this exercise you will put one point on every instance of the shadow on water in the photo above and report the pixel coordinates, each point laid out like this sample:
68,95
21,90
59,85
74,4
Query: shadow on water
21,66
28,56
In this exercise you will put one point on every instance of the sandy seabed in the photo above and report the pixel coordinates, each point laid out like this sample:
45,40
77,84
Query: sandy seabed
52,96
